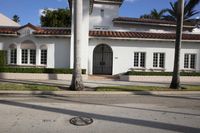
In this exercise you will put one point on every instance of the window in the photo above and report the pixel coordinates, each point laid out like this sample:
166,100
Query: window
158,60
189,61
102,13
32,56
24,56
28,52
43,56
13,56
28,56
139,59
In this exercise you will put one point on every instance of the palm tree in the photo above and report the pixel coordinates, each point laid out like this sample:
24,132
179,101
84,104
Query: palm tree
154,14
77,83
158,14
146,16
189,10
175,83
16,18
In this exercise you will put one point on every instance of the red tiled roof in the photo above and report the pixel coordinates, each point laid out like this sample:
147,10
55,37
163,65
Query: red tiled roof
38,30
114,34
30,26
148,21
53,31
146,35
8,30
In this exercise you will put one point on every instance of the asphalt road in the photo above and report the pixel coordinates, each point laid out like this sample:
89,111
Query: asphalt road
111,113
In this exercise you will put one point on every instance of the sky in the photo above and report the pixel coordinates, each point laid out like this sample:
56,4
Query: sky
29,10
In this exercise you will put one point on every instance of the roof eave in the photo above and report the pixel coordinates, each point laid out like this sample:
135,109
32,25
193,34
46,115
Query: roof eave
152,24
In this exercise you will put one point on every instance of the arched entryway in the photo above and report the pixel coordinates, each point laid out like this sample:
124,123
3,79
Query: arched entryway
102,60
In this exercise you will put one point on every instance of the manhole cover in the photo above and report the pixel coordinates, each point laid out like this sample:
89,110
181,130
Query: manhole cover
81,121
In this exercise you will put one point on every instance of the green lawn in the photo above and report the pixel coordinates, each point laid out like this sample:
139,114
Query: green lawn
26,87
145,88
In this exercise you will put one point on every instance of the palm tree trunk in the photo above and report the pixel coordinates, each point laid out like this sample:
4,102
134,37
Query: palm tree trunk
175,83
77,83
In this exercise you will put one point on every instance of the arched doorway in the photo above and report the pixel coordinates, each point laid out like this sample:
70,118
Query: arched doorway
102,60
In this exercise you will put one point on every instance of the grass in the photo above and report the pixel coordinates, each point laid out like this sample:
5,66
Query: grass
26,87
145,88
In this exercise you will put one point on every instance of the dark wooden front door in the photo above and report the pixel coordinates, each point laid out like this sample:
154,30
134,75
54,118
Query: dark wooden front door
102,60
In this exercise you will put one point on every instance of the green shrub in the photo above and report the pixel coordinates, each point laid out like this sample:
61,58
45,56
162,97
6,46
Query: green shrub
38,70
3,58
160,73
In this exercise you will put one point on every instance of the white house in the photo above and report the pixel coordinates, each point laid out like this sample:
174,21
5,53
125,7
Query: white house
111,44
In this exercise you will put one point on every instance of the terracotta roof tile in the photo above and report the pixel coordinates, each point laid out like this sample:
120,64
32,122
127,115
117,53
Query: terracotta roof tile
53,31
8,30
38,30
146,35
114,34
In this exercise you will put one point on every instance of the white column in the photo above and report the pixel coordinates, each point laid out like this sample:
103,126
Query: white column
19,54
38,55
72,37
85,35
51,56
8,56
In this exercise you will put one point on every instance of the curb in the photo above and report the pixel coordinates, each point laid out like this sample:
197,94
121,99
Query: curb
97,93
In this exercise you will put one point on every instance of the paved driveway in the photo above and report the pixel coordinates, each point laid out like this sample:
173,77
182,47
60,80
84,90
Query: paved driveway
111,113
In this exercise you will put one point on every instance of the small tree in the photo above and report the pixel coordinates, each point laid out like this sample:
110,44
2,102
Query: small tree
55,18
16,18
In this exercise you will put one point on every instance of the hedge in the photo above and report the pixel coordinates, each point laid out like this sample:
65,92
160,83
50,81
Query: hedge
3,58
161,73
37,70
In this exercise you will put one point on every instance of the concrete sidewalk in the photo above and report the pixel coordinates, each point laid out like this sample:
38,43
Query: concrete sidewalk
92,93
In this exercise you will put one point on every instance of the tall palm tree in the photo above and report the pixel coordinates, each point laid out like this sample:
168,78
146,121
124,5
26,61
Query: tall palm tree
158,14
189,10
175,83
155,14
77,83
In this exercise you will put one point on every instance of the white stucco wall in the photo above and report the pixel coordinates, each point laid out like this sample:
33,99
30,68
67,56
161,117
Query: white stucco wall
110,12
123,53
58,49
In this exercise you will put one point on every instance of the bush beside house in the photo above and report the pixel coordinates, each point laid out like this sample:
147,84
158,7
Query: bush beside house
3,58
134,73
37,70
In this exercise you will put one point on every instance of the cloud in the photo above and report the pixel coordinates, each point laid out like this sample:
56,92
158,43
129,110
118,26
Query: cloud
41,11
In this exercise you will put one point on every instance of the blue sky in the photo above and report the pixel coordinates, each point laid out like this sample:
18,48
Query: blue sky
28,10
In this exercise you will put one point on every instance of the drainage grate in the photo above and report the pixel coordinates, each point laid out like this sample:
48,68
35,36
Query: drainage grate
81,121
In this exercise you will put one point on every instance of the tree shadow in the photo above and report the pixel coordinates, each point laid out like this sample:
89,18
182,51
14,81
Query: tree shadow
130,121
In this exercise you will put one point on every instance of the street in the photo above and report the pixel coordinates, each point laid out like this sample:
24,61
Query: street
110,113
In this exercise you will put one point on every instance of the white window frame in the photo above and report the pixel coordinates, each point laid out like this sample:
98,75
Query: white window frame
189,61
28,57
139,60
102,13
11,56
158,60
42,58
